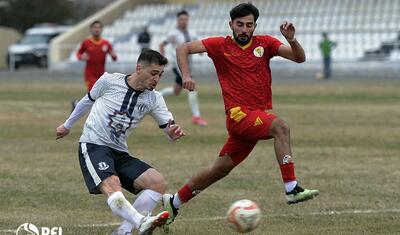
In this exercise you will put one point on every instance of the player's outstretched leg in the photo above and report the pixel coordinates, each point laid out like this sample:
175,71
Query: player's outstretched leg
200,181
149,223
144,204
280,131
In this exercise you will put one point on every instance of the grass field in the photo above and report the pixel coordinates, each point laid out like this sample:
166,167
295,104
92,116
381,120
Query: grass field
345,138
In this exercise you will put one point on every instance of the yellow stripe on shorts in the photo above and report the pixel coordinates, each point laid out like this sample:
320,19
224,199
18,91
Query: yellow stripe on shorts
237,114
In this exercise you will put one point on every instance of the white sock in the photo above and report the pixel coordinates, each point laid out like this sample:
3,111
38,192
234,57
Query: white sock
194,103
122,208
144,204
147,201
289,186
177,201
167,91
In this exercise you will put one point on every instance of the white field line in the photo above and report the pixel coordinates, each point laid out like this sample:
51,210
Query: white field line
326,213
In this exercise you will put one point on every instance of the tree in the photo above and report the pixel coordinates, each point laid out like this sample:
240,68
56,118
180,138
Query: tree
23,14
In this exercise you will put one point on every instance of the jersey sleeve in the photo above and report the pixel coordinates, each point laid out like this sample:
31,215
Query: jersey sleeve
82,49
213,45
273,45
160,112
110,50
82,107
99,87
109,46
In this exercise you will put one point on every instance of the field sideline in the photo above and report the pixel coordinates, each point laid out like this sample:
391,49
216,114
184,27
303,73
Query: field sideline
345,139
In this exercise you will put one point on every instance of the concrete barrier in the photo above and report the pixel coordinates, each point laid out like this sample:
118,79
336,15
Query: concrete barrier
8,37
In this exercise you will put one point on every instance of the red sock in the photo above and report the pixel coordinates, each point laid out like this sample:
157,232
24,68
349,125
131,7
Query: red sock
185,193
287,171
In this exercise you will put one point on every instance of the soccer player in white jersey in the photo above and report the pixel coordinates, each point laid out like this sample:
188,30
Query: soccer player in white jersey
176,37
118,103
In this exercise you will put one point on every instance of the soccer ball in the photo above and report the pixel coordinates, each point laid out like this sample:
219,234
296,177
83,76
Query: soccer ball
244,215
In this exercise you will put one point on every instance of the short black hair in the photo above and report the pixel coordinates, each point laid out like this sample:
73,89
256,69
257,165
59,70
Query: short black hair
183,12
244,9
152,57
96,22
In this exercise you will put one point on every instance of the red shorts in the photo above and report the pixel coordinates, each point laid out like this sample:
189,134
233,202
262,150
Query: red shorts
245,128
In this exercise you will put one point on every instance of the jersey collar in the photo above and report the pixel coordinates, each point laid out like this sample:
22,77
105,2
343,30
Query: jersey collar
244,47
129,87
96,41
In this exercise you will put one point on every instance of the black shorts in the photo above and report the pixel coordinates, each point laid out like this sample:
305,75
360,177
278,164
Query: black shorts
99,162
178,77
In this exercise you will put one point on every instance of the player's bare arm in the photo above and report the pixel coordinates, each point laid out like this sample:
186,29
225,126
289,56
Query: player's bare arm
113,55
294,52
174,131
162,47
182,53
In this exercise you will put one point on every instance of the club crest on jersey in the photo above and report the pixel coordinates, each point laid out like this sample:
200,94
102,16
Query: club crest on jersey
258,51
142,107
119,122
104,48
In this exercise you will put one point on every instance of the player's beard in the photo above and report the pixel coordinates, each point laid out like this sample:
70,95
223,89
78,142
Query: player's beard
242,42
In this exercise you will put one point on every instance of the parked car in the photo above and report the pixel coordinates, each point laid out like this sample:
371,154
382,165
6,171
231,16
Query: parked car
33,47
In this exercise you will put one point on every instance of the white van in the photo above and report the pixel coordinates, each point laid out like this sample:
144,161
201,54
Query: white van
33,47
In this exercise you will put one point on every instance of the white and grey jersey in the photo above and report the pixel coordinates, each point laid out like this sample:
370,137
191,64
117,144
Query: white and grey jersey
118,109
175,38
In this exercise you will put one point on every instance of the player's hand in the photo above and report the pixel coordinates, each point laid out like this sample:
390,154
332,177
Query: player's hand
287,30
85,56
188,83
174,131
113,56
61,131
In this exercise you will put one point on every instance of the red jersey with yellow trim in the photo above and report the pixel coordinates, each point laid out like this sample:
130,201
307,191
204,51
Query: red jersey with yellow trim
243,71
97,51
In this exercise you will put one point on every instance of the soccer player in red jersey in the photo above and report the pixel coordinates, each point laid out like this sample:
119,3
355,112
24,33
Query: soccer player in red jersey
94,50
244,74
